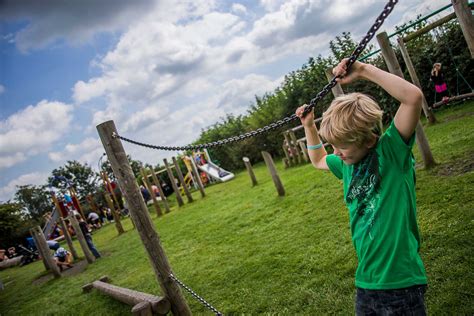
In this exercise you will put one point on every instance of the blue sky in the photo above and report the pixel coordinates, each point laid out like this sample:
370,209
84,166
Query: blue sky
162,70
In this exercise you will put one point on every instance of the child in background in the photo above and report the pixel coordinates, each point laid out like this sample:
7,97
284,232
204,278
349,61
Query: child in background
63,258
378,176
437,77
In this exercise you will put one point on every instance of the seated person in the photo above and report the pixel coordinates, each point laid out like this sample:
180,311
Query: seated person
53,244
63,258
94,219
11,252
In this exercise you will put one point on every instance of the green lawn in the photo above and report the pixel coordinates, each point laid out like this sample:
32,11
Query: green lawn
248,251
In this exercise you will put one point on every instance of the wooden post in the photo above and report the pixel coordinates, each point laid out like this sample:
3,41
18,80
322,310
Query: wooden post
147,184
337,89
173,183
82,240
273,172
291,154
394,67
466,21
294,142
304,150
73,194
68,238
248,166
111,189
414,78
40,250
45,251
138,210
197,177
110,204
160,190
181,180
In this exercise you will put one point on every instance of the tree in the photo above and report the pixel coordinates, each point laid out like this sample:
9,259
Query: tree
14,225
81,176
34,201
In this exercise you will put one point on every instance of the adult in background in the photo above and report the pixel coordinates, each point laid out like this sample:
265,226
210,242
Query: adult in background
87,235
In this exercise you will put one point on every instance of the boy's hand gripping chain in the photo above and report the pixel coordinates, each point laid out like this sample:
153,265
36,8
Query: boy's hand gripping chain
353,57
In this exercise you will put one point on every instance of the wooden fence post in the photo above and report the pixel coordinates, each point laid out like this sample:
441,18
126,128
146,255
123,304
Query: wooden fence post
294,142
40,250
337,89
138,210
394,67
147,184
181,180
248,166
81,238
160,190
68,238
118,223
173,183
45,251
466,20
197,177
271,167
414,78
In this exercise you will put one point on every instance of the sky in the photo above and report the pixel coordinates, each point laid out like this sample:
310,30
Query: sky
163,70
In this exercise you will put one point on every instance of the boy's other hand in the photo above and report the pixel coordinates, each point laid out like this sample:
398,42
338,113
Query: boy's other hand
308,120
347,77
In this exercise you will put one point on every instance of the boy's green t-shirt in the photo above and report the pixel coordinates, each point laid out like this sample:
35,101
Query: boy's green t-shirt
386,236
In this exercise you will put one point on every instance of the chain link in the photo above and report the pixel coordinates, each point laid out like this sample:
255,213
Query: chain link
200,299
353,57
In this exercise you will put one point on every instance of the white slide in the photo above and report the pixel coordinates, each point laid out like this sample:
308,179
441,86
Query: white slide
216,172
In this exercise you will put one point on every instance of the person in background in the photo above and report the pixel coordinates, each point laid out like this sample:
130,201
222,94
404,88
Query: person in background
87,235
441,88
63,258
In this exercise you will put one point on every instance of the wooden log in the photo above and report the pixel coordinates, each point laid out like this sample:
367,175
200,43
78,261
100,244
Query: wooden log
429,27
181,180
82,240
197,176
337,89
11,262
159,305
414,78
455,98
273,172
173,183
248,166
142,309
110,204
68,238
147,184
45,251
394,67
466,21
160,190
138,210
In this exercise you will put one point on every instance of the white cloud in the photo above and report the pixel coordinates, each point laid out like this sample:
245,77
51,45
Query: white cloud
32,130
2,89
238,8
88,151
34,178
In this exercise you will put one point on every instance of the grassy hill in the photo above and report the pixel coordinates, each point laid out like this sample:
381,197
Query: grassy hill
246,250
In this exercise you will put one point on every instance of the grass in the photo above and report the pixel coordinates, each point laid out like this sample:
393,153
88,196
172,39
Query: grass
248,251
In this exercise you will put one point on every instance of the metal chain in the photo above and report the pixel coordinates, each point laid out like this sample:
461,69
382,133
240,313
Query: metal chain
200,299
353,57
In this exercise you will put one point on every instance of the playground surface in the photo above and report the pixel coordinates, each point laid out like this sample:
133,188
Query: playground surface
246,250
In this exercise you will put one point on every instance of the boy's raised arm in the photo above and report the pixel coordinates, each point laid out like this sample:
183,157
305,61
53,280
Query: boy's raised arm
406,93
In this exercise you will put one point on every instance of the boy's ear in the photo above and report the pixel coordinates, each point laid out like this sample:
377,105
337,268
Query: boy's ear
372,141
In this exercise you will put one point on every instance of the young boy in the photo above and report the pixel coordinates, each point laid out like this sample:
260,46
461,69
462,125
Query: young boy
379,188
63,258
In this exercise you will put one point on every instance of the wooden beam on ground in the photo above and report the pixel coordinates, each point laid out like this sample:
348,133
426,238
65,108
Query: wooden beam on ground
273,172
460,97
394,68
139,212
143,303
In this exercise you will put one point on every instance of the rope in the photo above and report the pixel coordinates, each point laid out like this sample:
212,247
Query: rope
200,299
353,57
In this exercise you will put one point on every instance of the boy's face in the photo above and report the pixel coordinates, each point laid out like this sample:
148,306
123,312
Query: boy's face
350,153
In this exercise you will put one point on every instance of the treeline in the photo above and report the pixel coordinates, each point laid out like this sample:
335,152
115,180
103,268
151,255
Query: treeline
446,45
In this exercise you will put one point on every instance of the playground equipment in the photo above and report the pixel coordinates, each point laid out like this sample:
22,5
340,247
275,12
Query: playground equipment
204,163
143,303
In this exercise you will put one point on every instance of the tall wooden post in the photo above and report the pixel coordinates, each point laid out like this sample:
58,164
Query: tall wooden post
197,177
414,78
394,67
273,172
111,189
160,190
294,142
173,183
337,89
68,238
248,166
82,240
40,250
110,204
73,193
45,252
466,20
181,180
147,184
138,210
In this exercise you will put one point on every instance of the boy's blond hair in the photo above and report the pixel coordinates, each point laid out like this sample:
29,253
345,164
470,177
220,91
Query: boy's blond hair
351,119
